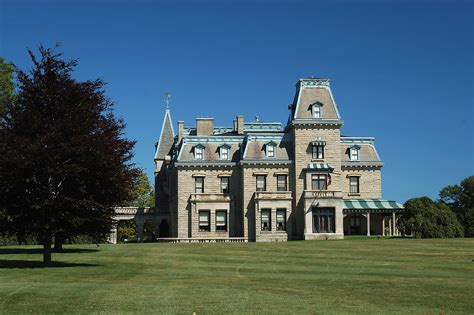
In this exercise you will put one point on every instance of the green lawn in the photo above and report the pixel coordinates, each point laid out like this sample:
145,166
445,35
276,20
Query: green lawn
356,275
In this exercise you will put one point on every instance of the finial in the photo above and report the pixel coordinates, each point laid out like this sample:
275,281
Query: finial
168,96
257,119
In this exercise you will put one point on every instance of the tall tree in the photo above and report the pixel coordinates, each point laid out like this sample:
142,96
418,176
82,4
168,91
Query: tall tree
64,163
460,198
425,218
7,85
142,192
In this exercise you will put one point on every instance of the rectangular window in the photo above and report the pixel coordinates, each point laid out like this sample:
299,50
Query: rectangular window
282,184
354,154
281,220
261,183
323,220
224,153
317,111
266,219
319,182
199,153
204,221
270,151
199,185
221,220
225,187
318,152
354,184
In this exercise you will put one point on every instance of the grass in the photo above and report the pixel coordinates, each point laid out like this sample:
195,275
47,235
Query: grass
356,275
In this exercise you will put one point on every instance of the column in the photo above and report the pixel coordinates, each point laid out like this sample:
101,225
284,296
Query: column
368,223
390,226
394,224
140,231
113,235
383,225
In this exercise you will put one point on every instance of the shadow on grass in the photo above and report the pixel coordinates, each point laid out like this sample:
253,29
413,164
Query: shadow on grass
9,251
29,264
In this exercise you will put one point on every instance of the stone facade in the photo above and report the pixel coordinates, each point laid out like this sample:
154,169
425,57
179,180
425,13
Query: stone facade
273,182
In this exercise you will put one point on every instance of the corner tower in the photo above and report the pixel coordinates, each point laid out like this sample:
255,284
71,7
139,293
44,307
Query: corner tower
163,153
315,126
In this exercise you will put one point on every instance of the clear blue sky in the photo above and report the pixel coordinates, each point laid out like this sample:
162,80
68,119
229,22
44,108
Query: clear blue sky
400,71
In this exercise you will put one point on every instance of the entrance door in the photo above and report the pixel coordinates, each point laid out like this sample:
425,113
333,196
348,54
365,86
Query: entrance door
164,229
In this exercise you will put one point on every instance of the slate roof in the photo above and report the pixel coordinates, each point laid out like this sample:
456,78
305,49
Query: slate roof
166,141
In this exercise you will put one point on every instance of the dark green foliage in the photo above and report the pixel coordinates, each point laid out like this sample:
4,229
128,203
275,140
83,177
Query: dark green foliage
460,198
127,230
64,163
7,85
425,218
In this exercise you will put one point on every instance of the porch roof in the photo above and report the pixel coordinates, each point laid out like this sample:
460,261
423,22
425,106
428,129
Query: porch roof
360,205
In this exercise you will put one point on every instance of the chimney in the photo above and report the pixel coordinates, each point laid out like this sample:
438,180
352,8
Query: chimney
180,130
240,125
204,126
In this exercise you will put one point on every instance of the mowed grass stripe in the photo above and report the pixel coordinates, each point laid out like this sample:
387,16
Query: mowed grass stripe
357,275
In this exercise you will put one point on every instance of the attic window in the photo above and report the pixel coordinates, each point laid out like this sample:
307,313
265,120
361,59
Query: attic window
317,110
199,152
224,152
270,149
354,153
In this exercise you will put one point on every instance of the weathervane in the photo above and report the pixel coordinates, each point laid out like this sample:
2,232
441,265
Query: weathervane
168,96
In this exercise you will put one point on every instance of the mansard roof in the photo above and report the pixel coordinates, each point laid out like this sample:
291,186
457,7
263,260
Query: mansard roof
312,91
212,145
255,147
166,140
368,155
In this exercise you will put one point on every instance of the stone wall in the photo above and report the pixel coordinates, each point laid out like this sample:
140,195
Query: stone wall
370,183
302,137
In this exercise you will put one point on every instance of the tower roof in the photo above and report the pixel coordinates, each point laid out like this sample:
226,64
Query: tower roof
165,143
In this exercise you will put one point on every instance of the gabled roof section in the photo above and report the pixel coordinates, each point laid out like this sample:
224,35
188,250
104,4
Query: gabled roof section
311,91
165,143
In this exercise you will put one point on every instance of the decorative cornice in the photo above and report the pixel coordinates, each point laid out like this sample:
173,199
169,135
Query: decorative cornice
361,164
313,83
202,164
266,162
317,121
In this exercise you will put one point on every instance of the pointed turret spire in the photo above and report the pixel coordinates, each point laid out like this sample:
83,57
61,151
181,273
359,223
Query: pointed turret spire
166,140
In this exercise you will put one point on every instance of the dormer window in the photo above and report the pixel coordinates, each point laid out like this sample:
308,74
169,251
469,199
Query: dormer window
270,149
199,152
354,153
224,152
317,110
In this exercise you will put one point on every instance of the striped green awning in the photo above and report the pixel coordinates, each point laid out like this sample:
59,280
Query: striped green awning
319,167
371,204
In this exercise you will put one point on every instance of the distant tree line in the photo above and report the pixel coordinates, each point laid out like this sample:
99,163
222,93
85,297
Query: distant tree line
450,216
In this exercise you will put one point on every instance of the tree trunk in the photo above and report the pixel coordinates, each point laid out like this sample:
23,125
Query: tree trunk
58,242
47,251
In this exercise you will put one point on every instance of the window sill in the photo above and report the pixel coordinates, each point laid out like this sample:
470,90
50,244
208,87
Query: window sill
317,160
353,194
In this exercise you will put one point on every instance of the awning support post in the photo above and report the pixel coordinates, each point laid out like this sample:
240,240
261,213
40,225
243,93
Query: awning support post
368,223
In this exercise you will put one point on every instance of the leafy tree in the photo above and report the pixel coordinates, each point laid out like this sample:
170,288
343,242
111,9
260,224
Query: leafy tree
7,85
64,163
127,229
142,192
460,198
425,218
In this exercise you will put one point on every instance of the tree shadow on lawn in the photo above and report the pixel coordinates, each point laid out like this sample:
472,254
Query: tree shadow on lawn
10,251
30,264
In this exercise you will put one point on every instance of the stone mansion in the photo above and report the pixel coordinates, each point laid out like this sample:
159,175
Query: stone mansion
260,181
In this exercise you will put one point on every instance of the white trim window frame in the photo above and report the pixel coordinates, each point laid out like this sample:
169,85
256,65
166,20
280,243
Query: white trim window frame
354,154
199,153
317,110
224,153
